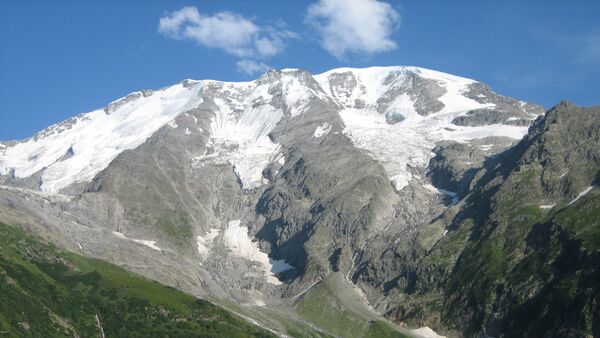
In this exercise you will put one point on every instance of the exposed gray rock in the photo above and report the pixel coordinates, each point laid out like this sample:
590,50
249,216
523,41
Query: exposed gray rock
482,117
455,164
483,94
424,92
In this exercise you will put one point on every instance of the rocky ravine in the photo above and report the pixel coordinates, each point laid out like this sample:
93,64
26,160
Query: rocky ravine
254,192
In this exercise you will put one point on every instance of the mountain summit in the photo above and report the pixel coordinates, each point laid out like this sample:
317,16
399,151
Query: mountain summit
406,108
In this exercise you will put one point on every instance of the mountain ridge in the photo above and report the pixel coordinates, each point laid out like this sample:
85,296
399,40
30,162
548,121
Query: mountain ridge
142,113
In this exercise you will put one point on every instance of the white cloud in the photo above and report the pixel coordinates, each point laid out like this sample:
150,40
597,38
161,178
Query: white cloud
354,26
251,67
228,31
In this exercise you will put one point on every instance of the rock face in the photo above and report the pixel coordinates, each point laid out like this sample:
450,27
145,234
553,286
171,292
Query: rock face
521,254
255,192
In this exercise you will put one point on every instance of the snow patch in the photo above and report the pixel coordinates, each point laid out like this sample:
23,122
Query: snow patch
581,194
547,206
281,159
150,244
203,242
322,130
431,188
235,237
242,138
187,131
118,234
259,302
279,265
426,332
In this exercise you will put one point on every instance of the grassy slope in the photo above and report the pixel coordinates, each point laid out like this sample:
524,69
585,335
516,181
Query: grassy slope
509,265
524,270
540,270
48,293
324,306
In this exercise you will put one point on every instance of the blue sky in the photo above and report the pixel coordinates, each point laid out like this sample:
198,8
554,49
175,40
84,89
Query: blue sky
61,58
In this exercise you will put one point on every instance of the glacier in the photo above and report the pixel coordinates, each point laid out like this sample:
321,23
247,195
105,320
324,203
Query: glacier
246,113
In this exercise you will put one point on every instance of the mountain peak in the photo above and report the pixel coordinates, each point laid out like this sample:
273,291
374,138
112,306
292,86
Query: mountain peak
394,101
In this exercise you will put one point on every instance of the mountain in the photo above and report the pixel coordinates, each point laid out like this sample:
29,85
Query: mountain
349,202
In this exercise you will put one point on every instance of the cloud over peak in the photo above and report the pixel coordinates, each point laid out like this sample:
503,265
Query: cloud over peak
343,27
354,26
228,31
251,67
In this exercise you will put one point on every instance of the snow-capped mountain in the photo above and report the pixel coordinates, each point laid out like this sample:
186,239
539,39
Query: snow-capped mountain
265,192
398,114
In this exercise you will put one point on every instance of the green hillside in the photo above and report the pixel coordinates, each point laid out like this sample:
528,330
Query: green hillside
45,292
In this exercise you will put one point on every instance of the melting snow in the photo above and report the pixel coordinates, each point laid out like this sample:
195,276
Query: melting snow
280,265
203,242
426,332
581,194
431,188
118,234
322,130
93,140
281,159
242,139
237,240
150,244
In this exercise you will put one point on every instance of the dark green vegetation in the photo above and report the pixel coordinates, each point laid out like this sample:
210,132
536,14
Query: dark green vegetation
510,267
48,293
